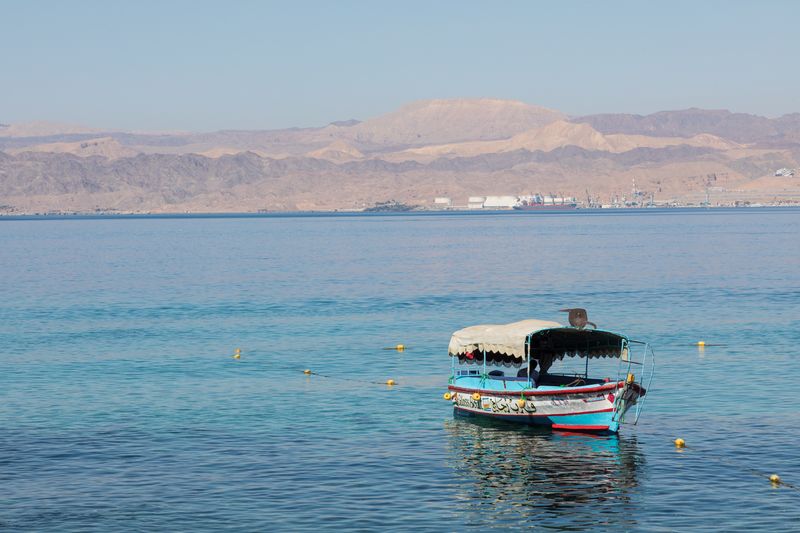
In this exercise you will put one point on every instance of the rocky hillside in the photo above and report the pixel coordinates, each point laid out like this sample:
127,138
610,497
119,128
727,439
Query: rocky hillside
454,148
739,127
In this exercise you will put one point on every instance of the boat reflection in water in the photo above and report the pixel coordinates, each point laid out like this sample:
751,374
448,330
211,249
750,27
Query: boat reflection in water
525,475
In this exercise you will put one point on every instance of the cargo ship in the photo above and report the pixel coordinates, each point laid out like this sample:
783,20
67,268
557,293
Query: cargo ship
538,202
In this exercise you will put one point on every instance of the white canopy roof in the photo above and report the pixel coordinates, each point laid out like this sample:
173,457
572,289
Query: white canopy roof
507,339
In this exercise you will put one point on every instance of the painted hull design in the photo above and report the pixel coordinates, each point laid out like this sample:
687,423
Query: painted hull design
599,408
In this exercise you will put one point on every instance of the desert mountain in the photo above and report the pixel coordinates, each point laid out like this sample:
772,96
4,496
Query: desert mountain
447,121
546,138
454,148
558,135
104,146
739,127
337,151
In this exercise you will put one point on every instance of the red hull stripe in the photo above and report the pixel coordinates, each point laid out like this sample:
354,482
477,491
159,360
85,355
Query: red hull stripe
526,415
610,386
579,427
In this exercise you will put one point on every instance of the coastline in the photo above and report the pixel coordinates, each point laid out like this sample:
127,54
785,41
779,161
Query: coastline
414,213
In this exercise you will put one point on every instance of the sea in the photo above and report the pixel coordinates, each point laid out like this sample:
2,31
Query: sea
122,407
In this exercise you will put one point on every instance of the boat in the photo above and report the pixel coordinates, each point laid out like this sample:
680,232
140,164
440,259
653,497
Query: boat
537,202
511,372
546,207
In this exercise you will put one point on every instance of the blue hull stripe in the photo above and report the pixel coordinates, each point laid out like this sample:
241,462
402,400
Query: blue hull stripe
585,419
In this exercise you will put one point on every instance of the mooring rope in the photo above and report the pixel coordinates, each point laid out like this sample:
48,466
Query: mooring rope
708,456
776,481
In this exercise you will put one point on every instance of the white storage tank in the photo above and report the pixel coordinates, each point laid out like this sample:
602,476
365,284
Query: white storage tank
442,201
500,202
475,202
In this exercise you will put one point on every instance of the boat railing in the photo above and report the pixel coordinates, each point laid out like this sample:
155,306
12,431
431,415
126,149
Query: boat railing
483,373
635,361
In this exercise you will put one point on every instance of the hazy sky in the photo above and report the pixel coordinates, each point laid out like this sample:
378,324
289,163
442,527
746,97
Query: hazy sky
193,65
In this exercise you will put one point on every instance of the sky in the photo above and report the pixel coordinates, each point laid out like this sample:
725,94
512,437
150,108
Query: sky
202,65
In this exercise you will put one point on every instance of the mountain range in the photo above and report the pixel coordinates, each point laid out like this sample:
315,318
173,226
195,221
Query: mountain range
453,148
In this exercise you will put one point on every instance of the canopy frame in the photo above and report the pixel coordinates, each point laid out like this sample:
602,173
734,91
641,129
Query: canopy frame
547,345
537,339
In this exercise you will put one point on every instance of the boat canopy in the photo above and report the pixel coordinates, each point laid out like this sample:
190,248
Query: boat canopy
505,339
544,340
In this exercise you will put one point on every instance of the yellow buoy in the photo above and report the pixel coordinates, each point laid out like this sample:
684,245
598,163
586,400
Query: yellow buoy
775,478
701,343
680,443
390,382
447,396
237,353
306,371
400,347
521,402
476,396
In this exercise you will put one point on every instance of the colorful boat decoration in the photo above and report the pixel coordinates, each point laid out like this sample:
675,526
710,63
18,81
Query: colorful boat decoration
504,371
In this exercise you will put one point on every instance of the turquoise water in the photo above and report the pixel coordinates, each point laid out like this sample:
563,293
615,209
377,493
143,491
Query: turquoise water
122,408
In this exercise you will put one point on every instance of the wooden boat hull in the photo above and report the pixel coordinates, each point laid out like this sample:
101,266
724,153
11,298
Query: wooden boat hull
596,409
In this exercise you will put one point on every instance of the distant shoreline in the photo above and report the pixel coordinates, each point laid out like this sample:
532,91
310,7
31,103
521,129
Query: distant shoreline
426,213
